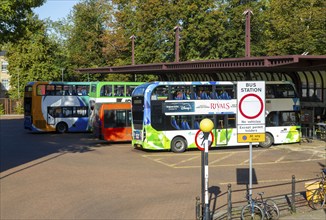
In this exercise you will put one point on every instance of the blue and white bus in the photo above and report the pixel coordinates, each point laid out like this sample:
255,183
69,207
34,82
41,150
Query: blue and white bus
56,106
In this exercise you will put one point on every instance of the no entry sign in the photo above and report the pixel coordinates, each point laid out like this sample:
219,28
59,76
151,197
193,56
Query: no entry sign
251,111
199,139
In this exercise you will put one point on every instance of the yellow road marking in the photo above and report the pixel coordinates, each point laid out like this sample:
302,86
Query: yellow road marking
222,158
160,157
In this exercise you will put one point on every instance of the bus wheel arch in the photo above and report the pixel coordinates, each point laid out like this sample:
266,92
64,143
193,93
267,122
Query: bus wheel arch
179,144
269,141
62,127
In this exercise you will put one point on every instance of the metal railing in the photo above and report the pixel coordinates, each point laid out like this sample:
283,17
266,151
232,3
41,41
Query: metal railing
287,203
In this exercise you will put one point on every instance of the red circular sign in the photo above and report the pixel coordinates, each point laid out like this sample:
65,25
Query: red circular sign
198,145
260,110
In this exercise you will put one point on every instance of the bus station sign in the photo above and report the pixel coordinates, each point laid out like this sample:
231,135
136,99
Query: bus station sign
212,106
251,111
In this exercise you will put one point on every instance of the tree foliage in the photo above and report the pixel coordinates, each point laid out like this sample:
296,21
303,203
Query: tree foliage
85,43
297,26
32,58
13,18
97,33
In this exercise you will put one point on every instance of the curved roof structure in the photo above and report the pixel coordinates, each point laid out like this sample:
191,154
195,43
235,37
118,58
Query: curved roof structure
308,73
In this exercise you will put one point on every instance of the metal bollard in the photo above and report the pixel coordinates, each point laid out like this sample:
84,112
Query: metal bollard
229,202
198,214
293,195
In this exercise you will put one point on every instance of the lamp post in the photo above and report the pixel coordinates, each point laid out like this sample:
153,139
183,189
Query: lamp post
206,125
177,36
18,87
62,69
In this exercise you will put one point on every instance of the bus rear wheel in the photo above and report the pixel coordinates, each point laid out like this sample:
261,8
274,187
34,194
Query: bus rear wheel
178,145
62,127
269,140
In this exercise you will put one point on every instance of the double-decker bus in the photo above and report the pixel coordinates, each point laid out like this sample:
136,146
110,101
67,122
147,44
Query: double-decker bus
56,106
108,92
153,128
112,121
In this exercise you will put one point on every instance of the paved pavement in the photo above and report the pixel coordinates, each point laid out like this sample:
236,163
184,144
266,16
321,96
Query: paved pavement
303,211
71,176
314,215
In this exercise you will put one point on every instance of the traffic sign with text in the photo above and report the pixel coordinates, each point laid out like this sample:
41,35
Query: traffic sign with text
251,111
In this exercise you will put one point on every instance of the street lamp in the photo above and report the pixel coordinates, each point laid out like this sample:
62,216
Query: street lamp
18,87
62,69
206,125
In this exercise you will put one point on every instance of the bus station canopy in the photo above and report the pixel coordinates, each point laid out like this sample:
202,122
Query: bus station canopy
307,72
247,68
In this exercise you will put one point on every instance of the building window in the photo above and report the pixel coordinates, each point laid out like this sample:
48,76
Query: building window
4,66
5,84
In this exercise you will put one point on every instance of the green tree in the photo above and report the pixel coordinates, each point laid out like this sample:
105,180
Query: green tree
202,29
32,58
13,18
210,29
58,32
296,26
85,42
152,22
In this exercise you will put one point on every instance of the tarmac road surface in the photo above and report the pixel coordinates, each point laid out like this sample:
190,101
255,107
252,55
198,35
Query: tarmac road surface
73,176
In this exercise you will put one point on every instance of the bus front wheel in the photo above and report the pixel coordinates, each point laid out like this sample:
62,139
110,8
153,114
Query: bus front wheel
178,145
62,127
269,140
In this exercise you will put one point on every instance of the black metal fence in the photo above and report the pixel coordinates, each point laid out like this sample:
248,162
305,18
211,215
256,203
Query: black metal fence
288,203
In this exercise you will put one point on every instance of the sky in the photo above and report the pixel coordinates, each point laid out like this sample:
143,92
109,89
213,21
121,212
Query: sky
55,9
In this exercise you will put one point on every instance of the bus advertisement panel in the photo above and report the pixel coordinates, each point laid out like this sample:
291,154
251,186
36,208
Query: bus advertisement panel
159,125
56,106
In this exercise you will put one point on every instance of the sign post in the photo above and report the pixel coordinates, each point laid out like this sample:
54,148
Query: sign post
251,117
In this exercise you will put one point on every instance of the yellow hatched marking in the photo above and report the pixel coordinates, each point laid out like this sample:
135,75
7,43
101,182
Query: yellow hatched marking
222,158
184,161
254,156
254,164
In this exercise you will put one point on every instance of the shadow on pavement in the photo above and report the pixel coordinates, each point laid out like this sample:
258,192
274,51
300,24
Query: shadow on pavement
19,146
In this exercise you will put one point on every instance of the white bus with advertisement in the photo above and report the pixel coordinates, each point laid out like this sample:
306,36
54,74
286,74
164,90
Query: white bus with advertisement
166,115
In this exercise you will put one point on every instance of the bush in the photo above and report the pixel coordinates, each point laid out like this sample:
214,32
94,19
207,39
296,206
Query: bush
19,108
2,110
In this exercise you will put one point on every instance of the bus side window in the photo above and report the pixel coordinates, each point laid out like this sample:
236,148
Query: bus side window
109,119
196,125
269,91
231,121
58,112
41,90
214,95
185,125
121,118
50,90
160,93
220,122
271,119
119,91
174,124
128,91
